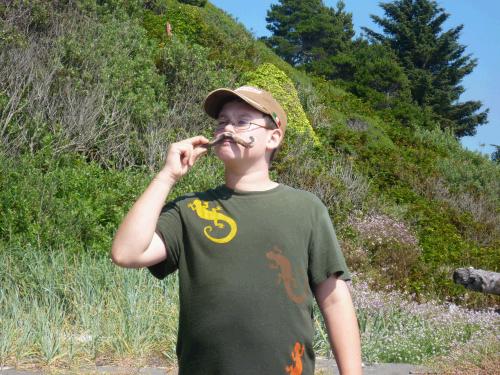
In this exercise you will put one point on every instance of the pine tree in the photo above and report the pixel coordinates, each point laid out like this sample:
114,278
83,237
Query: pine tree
369,71
434,61
306,31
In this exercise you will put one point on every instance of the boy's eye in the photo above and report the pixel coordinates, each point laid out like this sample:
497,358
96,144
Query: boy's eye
242,123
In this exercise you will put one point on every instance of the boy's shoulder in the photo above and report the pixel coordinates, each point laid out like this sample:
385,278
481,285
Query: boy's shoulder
303,195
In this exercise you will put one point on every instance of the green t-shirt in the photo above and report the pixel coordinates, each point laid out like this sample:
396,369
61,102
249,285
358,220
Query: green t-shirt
247,262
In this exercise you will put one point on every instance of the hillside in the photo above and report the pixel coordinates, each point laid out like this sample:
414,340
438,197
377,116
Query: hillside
93,92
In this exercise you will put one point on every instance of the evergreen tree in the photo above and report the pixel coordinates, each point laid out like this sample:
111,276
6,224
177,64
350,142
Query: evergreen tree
306,31
369,71
434,60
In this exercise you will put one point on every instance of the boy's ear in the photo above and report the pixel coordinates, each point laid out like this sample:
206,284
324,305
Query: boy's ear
275,138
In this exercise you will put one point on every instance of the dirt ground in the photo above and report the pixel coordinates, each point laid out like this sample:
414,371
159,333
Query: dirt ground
323,367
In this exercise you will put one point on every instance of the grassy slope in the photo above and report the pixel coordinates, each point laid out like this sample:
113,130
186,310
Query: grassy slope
374,165
414,182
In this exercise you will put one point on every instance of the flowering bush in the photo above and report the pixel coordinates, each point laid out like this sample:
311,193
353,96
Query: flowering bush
381,229
390,245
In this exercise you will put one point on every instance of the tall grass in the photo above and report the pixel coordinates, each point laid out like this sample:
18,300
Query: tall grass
60,310
69,310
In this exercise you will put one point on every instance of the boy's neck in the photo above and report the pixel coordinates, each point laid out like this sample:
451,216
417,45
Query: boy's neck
257,180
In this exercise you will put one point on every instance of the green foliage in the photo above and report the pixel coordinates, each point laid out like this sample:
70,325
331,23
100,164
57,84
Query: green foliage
358,142
370,72
119,9
471,172
189,75
186,21
434,60
63,204
337,99
93,88
306,32
80,205
445,249
155,25
271,79
198,3
188,70
118,54
229,43
401,164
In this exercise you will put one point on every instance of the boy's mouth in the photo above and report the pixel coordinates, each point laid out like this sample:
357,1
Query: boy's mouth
231,136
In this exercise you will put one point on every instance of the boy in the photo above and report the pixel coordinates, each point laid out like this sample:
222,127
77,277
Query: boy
251,254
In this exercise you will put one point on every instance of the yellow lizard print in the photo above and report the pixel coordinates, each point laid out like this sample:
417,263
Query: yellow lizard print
296,367
219,220
279,261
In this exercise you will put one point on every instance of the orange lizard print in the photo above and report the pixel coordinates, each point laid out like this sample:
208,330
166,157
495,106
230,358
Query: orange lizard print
279,261
296,367
219,219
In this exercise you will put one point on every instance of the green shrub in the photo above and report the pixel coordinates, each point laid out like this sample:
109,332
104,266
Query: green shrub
271,79
198,3
64,204
444,249
230,45
189,76
119,55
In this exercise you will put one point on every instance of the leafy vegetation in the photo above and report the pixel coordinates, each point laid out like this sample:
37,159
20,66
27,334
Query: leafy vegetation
92,93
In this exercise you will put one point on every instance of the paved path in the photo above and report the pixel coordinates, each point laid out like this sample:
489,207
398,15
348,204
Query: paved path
323,367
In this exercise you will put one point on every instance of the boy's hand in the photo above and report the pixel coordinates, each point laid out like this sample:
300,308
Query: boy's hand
181,156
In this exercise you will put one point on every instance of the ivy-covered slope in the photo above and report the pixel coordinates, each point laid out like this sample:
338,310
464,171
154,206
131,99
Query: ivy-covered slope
109,89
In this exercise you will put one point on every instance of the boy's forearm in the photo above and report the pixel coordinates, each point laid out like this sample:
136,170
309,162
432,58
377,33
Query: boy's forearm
137,228
136,231
342,326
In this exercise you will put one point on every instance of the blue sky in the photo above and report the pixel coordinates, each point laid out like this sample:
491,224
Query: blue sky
481,35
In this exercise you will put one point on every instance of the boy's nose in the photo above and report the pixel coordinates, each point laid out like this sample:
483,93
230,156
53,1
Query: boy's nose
226,128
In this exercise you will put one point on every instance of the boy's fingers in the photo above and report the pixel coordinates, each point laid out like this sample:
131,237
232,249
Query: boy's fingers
189,149
197,152
198,140
186,155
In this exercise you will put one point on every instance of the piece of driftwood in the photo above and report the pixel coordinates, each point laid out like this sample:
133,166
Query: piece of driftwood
478,280
228,135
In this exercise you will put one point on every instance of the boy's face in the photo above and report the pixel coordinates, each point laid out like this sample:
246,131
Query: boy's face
242,119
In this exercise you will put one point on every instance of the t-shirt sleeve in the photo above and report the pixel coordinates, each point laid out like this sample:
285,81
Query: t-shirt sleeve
170,229
325,257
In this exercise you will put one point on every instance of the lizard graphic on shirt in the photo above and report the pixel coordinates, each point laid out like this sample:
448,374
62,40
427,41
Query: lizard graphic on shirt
279,261
219,220
296,367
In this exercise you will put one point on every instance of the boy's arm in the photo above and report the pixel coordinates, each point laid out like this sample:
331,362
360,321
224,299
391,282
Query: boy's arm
335,303
136,244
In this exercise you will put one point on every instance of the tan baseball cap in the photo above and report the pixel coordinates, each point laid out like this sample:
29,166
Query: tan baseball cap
255,97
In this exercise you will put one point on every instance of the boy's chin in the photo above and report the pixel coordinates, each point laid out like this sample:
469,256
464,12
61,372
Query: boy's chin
229,152
234,158
231,159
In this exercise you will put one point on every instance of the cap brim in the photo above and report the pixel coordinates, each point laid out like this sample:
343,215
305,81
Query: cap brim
216,99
